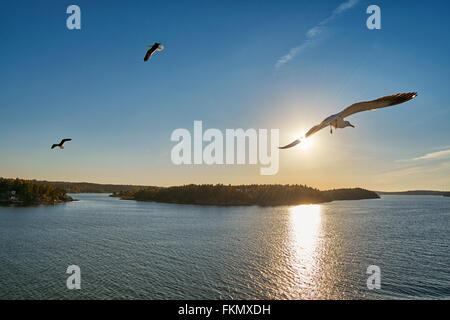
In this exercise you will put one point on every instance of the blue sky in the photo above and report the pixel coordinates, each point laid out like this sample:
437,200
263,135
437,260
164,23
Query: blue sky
220,66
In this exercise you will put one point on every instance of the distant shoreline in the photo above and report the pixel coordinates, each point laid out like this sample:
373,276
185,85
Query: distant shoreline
35,192
90,187
415,193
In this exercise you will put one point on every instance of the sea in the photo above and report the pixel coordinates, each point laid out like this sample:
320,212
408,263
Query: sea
396,247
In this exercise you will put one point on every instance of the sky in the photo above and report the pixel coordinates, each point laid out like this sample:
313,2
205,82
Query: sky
231,64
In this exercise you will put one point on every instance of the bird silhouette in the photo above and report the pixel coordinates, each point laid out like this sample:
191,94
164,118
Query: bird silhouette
61,144
337,120
155,47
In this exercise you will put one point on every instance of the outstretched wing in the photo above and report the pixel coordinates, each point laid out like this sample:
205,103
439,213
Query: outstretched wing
290,145
54,146
148,54
325,123
377,104
65,140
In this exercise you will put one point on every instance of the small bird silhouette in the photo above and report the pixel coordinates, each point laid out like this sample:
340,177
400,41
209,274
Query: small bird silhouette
60,145
153,48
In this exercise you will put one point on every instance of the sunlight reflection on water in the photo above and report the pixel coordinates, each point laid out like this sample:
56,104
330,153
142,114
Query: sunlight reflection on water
306,225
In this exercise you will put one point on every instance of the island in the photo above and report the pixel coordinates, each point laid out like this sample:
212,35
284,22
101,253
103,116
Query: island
33,192
244,195
415,193
21,192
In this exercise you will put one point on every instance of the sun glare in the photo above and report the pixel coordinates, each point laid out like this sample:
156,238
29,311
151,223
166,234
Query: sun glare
306,143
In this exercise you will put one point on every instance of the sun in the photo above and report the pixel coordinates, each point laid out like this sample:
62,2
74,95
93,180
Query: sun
306,143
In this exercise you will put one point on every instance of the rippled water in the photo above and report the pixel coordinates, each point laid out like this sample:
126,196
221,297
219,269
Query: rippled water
135,250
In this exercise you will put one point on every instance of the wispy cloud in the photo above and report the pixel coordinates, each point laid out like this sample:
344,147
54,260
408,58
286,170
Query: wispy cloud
417,175
434,155
314,34
432,168
443,154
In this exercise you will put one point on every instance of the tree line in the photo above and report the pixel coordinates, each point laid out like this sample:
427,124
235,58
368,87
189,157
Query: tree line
228,195
27,192
86,187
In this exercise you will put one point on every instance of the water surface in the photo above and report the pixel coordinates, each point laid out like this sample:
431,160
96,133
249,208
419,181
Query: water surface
138,250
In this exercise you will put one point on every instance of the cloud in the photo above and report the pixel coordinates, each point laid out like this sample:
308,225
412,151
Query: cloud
430,156
419,169
313,35
344,6
417,175
434,155
314,32
432,168
293,52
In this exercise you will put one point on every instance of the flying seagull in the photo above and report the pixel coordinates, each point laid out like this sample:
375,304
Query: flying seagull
60,145
337,120
153,48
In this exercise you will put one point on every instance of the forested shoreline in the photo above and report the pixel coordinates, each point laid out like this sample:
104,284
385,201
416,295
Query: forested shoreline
26,192
243,195
87,187
31,192
415,193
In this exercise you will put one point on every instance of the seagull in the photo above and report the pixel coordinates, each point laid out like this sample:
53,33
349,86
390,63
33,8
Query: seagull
60,145
337,120
153,48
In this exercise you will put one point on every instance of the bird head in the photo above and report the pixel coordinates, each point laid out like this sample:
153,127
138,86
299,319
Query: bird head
348,124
